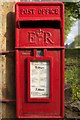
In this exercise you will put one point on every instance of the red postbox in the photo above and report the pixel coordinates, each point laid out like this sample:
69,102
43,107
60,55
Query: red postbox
40,60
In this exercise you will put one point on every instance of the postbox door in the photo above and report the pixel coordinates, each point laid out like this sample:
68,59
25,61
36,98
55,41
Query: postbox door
48,105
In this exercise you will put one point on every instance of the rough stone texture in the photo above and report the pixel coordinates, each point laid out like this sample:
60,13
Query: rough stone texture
7,62
72,108
68,92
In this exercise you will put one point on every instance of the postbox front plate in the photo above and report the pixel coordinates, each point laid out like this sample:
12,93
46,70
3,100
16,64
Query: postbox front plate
40,59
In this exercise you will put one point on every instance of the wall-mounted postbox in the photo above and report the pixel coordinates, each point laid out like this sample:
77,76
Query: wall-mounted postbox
40,59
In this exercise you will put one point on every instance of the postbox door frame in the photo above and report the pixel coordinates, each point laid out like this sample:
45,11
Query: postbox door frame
50,78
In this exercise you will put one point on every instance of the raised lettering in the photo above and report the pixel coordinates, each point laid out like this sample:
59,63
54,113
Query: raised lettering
56,11
47,38
40,36
43,11
31,37
27,11
46,11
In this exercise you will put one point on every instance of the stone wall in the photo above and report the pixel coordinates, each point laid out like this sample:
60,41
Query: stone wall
7,61
72,83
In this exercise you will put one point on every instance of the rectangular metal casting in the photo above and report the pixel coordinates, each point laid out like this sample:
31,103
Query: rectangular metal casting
40,60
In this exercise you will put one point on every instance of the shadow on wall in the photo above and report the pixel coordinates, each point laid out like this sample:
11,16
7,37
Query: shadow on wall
10,31
10,65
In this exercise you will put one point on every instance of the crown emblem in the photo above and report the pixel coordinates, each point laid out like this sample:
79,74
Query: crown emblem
40,33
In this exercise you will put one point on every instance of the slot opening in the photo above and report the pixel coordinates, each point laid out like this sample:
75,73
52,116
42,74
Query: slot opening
39,24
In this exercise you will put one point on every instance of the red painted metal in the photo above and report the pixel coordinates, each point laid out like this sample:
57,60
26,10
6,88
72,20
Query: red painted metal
40,26
44,100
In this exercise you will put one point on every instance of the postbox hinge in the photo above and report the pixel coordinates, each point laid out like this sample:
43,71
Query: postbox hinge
18,24
60,24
